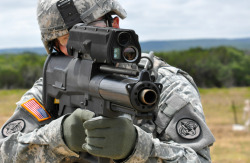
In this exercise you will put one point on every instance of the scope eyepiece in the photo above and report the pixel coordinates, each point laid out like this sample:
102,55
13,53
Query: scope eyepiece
130,54
124,38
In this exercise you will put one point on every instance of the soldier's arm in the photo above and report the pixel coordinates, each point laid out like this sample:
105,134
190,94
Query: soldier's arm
179,133
30,136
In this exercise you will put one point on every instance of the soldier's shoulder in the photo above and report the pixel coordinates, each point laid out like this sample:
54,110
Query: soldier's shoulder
34,92
29,113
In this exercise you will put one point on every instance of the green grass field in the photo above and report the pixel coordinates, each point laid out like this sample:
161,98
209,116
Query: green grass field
230,146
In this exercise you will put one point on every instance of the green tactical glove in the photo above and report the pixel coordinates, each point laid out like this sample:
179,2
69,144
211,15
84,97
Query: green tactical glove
73,130
109,137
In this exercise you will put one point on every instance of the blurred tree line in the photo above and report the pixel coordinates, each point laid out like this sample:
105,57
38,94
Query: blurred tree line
215,67
20,71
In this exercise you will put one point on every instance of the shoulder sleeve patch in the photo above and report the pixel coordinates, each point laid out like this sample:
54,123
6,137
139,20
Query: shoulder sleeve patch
189,129
13,127
36,109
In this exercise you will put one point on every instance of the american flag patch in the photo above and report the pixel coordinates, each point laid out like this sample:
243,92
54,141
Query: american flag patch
36,109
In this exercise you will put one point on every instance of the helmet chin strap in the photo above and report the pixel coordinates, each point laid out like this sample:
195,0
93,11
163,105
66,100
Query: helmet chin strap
110,19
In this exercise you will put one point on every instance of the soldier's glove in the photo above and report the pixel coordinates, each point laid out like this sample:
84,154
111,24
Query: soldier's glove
73,130
110,137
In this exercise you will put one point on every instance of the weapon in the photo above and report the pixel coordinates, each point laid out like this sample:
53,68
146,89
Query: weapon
90,78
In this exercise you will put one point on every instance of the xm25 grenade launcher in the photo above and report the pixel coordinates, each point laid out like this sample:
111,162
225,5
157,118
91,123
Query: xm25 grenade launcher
90,77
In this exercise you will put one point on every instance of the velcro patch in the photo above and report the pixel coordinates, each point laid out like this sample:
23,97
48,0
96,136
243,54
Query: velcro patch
36,109
188,128
13,127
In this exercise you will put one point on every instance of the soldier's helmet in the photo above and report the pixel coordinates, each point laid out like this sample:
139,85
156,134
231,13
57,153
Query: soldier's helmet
56,17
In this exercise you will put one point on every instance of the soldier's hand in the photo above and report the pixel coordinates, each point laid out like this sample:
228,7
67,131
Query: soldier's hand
110,137
73,130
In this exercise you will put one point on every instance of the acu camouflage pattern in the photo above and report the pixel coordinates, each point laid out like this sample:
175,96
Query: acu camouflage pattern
153,145
51,22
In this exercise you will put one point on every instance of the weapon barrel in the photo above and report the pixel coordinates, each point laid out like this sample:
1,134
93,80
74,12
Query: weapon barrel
128,92
114,89
148,96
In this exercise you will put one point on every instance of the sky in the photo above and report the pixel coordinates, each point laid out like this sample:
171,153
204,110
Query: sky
151,19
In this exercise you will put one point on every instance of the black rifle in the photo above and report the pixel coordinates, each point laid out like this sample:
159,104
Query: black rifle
90,79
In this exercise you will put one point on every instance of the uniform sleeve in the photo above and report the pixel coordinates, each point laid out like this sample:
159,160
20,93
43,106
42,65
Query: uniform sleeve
43,144
179,133
30,134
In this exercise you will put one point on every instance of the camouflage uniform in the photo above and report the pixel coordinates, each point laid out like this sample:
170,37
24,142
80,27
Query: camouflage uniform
178,133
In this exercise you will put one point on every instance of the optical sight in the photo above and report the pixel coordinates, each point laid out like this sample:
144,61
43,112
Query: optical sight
104,45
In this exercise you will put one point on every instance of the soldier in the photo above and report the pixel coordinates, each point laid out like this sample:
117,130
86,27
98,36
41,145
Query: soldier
177,133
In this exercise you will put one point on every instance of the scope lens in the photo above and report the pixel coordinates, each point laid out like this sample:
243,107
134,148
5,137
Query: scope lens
130,54
124,38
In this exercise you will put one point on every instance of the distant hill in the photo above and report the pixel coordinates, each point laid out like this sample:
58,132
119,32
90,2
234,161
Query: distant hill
177,45
38,50
173,45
